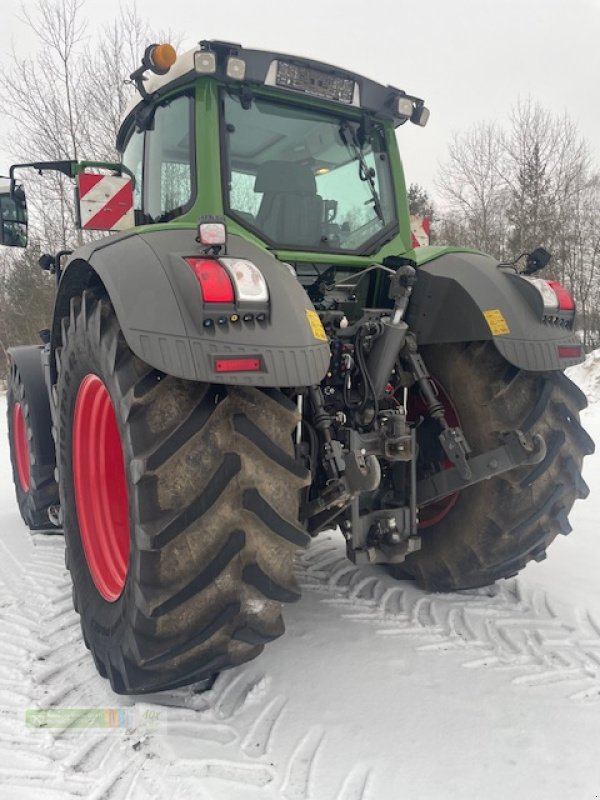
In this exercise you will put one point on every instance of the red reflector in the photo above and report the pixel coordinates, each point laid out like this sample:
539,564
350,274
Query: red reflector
214,280
565,301
570,352
237,365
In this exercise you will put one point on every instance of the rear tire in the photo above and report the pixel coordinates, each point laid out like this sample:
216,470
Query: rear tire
213,497
35,485
497,526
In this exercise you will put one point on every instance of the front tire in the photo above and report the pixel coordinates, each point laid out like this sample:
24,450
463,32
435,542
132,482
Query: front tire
211,500
497,526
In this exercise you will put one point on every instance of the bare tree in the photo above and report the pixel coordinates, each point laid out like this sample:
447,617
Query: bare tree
546,166
66,101
473,188
508,190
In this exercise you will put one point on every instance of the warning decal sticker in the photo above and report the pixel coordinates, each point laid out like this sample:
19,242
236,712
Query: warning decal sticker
316,325
496,322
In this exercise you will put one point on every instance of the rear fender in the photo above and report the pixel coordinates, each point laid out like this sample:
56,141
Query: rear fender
454,296
159,307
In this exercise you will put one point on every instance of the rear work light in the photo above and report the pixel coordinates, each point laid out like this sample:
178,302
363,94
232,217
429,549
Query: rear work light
212,233
213,278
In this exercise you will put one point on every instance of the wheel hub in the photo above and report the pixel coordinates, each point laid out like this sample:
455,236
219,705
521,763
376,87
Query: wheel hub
101,494
21,447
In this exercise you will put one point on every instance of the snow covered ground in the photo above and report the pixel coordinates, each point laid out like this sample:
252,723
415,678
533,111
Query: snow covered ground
378,691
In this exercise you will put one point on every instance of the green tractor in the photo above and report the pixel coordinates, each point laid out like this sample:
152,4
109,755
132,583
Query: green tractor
258,353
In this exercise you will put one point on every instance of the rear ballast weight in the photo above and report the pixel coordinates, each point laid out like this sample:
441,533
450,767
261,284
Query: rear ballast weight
258,353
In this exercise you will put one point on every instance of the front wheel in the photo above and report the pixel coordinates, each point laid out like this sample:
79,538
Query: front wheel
180,504
494,528
31,448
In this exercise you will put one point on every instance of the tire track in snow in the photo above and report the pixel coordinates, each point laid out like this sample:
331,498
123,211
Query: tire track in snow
38,758
236,721
296,785
508,629
241,728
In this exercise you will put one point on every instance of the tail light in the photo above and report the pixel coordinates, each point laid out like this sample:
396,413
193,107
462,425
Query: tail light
229,280
555,297
214,280
565,301
249,282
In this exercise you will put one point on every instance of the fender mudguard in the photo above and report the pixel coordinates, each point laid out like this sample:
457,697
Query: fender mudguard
159,307
28,359
463,297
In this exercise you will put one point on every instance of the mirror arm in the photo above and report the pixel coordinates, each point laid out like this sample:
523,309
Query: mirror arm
68,168
81,166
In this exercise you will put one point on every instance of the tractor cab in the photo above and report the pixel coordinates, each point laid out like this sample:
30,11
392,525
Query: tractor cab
299,156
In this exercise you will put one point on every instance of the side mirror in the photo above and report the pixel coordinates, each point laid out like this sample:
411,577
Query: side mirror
13,215
536,260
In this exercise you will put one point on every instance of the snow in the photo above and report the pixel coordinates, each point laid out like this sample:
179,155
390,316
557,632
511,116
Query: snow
377,691
587,377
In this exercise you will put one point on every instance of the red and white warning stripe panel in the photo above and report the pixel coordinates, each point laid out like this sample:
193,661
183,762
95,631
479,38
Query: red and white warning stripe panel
105,202
419,230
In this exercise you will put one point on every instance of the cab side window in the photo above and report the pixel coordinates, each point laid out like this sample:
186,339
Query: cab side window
133,159
169,160
162,161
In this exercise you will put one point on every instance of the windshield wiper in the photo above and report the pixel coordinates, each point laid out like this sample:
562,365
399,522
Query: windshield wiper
365,173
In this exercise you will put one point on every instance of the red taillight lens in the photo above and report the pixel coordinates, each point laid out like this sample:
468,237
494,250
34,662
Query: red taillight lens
238,364
214,280
565,301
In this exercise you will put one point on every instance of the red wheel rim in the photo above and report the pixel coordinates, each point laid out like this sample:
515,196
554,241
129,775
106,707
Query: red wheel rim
21,447
435,512
101,495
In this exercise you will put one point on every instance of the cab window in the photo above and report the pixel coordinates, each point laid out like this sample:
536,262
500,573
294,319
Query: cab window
162,160
133,159
168,175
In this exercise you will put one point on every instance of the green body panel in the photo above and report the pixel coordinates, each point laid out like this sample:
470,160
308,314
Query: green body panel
208,152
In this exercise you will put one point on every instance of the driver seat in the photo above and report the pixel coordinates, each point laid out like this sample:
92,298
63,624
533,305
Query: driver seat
291,211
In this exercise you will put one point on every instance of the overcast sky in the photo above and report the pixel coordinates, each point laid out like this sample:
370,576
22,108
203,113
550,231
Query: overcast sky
469,59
